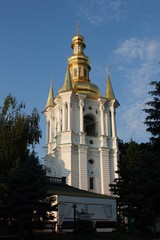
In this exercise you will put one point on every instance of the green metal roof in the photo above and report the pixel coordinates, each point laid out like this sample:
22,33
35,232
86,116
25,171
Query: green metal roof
109,90
50,101
67,86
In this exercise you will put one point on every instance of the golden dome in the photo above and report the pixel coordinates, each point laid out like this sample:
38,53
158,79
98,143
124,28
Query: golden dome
79,65
90,89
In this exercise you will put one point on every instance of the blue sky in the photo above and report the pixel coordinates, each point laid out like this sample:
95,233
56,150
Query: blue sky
35,40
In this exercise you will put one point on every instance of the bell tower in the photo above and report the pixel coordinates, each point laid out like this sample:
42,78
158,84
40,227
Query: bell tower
81,137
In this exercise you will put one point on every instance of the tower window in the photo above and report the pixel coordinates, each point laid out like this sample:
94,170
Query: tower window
85,72
90,127
80,71
75,72
91,161
79,48
91,183
76,49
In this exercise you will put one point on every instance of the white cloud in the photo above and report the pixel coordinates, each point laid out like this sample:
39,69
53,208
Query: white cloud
138,60
100,11
131,123
137,49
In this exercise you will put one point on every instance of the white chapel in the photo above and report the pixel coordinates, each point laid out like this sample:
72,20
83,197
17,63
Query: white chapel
81,137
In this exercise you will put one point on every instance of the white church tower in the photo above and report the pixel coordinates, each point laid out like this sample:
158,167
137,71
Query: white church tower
81,139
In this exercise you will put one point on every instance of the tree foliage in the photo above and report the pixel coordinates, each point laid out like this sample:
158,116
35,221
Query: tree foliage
25,190
138,184
126,186
153,115
18,133
23,180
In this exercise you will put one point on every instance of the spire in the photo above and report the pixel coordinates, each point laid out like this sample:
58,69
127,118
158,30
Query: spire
67,86
109,90
50,101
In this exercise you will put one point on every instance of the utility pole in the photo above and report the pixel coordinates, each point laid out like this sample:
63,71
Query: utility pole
74,208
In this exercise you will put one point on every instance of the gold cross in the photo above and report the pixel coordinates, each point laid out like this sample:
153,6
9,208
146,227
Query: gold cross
107,68
51,79
78,27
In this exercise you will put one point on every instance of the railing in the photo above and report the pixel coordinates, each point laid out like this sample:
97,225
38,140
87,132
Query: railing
56,180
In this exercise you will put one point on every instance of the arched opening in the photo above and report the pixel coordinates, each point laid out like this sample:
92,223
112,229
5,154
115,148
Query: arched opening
90,127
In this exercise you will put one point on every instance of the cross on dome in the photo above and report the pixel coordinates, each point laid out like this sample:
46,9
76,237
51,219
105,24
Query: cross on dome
78,27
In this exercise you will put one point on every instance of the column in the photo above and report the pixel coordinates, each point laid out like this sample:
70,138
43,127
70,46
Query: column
69,116
47,132
102,118
50,131
63,117
81,104
109,122
106,124
59,123
113,121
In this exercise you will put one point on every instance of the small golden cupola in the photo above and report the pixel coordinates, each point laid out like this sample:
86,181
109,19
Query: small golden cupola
79,65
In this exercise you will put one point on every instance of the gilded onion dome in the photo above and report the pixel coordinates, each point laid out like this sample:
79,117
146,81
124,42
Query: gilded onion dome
79,65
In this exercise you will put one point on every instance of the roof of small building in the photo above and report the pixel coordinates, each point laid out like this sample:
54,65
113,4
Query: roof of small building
66,190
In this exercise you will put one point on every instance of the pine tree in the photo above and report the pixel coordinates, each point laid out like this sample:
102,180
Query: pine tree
153,126
126,185
153,115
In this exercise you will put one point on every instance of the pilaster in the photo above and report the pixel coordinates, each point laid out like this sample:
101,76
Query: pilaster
83,176
105,170
113,165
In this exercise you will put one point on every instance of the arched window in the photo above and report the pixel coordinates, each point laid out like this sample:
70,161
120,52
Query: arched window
75,72
80,71
90,127
85,72
91,183
76,49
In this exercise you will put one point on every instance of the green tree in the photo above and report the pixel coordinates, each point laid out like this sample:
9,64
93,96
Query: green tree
129,185
152,122
25,195
153,115
138,186
18,134
23,181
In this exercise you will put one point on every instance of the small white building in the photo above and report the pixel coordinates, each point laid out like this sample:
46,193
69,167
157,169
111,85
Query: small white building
81,137
74,204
